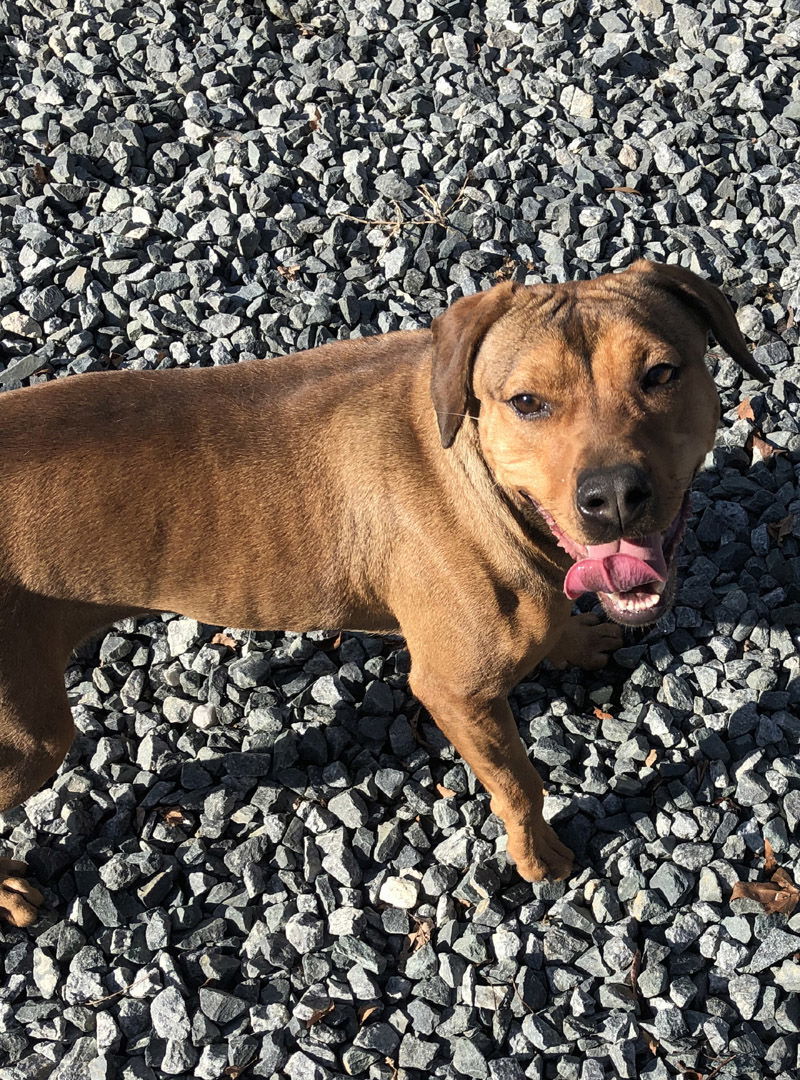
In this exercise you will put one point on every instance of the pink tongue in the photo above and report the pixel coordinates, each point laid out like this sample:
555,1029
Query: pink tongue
617,567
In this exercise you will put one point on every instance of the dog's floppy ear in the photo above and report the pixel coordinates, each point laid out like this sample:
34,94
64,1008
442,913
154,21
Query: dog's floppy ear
709,304
457,335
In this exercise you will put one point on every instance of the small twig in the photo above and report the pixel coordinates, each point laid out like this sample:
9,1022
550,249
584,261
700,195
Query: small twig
695,1074
718,1069
437,216
110,997
513,987
394,224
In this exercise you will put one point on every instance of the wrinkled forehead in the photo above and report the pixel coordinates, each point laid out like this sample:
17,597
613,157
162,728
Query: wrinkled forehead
577,331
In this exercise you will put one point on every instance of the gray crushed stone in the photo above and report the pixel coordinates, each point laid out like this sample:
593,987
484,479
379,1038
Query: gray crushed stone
248,859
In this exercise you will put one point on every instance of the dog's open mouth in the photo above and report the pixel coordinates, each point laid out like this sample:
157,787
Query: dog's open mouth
632,577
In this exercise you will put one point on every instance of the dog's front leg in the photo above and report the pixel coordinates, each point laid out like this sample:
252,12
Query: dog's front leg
587,641
485,734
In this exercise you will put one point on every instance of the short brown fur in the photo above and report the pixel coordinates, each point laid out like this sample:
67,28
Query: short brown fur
328,491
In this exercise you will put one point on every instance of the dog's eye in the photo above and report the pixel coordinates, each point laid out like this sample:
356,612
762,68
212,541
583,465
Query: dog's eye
660,375
528,406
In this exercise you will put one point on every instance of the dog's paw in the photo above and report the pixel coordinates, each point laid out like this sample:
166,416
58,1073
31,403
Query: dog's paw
539,854
587,642
18,899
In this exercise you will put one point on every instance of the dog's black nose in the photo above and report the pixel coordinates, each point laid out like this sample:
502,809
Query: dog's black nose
613,498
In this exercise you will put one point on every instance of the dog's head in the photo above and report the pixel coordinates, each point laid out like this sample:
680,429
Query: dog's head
594,411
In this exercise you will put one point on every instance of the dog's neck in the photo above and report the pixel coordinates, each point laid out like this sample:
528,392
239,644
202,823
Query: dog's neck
515,530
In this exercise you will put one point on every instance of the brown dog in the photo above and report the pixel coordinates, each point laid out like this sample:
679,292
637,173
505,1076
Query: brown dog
448,483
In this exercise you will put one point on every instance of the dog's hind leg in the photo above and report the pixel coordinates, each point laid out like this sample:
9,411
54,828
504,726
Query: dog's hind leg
35,733
36,726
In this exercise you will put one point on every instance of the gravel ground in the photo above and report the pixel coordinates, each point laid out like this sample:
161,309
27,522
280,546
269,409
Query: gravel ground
256,862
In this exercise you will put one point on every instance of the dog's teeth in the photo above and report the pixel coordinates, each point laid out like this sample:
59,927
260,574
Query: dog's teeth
638,602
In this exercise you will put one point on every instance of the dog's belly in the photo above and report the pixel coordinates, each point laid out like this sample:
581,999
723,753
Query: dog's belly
295,613
253,580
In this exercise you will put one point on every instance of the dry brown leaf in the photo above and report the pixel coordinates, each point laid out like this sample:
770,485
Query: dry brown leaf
445,792
366,1011
726,801
763,892
765,449
388,1061
506,270
174,816
745,410
224,639
770,862
771,895
782,877
635,968
651,758
319,1014
624,188
779,894
602,715
779,530
235,1071
289,272
690,1074
420,935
